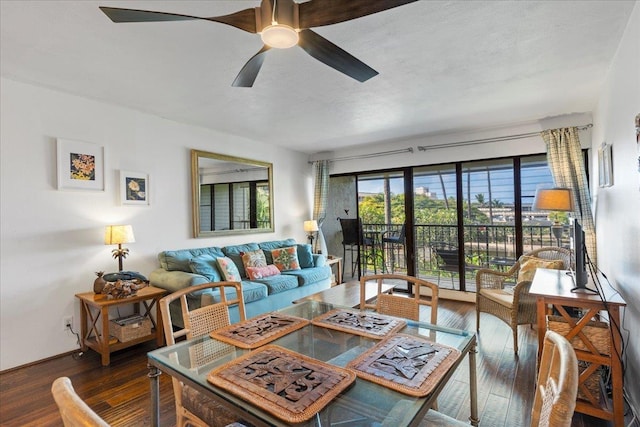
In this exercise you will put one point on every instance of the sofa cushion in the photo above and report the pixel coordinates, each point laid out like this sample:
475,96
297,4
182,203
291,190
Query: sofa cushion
279,283
305,255
253,259
228,269
267,247
251,291
262,272
179,260
234,252
529,264
286,258
207,266
309,275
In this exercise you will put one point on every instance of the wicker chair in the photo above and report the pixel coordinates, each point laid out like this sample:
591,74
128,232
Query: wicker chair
514,307
556,392
73,410
400,306
192,407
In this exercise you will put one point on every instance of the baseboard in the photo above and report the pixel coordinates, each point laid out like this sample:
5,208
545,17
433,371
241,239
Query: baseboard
46,359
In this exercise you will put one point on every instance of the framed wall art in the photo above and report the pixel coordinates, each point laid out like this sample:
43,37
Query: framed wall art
605,172
134,188
80,165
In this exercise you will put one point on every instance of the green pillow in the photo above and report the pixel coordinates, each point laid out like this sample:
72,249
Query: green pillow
207,266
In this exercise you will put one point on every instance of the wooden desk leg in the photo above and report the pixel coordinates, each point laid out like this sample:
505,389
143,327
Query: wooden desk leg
541,310
473,387
104,336
83,326
616,367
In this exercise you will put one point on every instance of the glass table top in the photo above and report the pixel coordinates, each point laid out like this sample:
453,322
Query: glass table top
192,360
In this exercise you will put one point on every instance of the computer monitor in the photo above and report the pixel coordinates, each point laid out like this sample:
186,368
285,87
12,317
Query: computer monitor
579,271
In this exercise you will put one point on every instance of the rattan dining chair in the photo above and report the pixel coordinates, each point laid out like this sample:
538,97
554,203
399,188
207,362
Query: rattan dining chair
514,305
73,410
192,407
397,305
556,390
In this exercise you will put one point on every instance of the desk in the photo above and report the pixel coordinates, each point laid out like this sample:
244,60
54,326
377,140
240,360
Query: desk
553,288
364,398
94,320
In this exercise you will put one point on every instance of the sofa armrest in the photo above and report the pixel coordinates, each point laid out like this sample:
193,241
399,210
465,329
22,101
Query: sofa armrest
319,260
173,281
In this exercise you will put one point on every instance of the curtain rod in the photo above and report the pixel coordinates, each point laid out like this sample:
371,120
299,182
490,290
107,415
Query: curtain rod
366,156
488,140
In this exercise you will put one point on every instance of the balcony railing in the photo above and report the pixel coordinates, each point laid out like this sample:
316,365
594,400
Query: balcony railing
485,246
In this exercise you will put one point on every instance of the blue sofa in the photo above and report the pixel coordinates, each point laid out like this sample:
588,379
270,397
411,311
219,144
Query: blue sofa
187,267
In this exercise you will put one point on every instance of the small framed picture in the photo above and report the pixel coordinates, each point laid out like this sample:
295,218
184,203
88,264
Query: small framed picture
134,188
80,165
605,172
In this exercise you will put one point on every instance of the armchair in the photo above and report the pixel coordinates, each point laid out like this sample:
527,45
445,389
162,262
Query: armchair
514,305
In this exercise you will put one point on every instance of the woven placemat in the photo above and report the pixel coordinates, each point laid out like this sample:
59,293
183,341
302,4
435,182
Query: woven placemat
259,330
366,323
406,363
288,385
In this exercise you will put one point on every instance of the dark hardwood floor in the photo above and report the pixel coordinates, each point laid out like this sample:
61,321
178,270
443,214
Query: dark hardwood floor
120,394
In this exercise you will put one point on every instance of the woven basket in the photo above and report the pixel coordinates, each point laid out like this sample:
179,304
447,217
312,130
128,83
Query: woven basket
596,331
130,328
592,383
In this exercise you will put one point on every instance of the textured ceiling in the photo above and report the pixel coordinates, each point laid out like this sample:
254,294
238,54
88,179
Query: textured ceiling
443,65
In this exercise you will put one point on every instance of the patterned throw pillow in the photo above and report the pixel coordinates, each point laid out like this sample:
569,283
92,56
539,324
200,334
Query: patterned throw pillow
286,258
253,259
262,272
229,269
528,265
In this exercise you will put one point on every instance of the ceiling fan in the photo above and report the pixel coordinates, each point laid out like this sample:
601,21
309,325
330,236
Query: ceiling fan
284,24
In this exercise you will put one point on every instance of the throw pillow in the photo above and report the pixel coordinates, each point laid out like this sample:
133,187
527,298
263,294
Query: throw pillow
528,265
229,269
207,266
253,259
286,258
305,256
262,272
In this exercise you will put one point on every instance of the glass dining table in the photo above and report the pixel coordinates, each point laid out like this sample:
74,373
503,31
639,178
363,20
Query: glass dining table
364,403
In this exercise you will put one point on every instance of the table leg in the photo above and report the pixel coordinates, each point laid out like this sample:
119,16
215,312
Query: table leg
104,336
616,367
83,325
473,387
154,380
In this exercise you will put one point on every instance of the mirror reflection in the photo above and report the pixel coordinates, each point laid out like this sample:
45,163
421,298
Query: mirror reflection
231,195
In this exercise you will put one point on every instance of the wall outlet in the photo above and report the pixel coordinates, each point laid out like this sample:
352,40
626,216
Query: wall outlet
67,323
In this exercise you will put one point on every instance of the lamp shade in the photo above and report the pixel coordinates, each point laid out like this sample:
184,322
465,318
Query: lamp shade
553,199
117,234
311,226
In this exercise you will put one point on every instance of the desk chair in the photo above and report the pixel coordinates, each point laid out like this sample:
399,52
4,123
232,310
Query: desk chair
192,407
400,306
393,239
73,410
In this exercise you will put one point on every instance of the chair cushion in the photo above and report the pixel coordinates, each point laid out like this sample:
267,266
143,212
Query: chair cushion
529,264
501,296
207,266
310,275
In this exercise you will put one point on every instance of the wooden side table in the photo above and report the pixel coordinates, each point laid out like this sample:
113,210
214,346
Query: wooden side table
334,260
94,318
552,288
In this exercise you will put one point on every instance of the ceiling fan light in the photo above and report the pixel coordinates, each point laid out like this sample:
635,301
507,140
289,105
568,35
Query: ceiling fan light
279,36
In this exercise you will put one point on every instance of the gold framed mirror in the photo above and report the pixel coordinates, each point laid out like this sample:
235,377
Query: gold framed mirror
230,195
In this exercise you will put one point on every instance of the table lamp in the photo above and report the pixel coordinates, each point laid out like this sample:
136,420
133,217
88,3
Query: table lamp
117,235
310,227
554,199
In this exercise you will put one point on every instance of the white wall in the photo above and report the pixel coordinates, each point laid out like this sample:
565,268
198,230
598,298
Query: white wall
52,241
618,207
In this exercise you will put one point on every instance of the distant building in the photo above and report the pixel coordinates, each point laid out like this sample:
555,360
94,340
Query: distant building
424,191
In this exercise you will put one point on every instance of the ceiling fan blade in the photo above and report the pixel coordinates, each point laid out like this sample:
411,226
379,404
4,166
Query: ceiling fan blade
243,19
316,13
249,72
325,51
